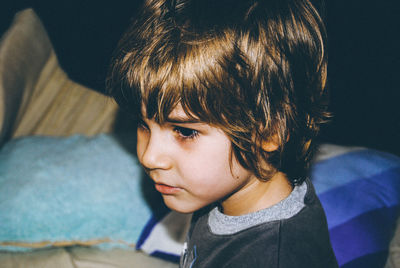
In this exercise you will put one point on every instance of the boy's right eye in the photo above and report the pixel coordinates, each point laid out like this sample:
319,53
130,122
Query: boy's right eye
186,133
142,125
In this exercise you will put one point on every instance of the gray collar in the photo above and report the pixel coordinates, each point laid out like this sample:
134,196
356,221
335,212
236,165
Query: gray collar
221,224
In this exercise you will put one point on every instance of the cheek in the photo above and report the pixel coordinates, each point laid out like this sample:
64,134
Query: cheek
211,177
141,142
212,164
209,163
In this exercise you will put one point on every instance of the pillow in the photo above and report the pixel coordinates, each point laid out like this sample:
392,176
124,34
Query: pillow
24,51
68,191
360,191
36,95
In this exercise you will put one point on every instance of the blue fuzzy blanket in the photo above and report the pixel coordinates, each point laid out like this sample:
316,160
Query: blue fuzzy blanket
66,191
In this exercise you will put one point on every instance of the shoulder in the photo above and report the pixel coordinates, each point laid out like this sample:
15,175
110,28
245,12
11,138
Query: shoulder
293,235
248,247
304,238
310,217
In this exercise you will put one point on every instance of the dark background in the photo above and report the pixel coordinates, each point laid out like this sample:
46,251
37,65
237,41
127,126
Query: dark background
364,44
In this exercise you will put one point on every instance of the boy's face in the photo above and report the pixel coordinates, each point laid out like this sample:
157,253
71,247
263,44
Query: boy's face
189,161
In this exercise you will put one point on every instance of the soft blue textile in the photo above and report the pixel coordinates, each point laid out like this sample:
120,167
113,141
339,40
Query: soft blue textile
66,189
357,164
360,192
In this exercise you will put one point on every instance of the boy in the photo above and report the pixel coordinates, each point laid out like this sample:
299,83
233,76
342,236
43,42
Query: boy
228,96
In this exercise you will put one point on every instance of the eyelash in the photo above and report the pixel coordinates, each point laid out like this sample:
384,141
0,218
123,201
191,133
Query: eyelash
141,124
183,133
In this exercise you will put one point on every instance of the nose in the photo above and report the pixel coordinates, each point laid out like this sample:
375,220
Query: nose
152,151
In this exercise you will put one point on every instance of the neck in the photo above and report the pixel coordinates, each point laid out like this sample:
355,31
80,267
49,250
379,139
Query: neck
257,195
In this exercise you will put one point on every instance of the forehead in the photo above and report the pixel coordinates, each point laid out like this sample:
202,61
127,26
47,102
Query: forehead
177,115
178,112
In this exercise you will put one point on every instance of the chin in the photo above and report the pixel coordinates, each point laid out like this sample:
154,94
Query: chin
180,206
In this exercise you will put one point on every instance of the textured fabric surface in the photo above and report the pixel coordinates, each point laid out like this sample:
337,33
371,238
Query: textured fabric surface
68,191
360,192
24,50
36,96
60,107
393,260
81,257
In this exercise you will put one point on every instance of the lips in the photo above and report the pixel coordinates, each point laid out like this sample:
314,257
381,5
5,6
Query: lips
166,189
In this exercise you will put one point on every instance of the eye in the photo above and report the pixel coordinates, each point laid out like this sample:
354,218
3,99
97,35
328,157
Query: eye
186,133
142,125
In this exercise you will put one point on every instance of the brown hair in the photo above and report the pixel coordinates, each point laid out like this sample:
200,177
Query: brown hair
255,69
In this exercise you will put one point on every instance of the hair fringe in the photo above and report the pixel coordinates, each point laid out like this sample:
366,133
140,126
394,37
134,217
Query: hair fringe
255,69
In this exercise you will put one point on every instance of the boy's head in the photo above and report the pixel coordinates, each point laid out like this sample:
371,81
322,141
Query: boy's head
255,69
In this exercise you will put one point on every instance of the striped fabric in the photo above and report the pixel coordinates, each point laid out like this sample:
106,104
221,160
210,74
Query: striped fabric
359,191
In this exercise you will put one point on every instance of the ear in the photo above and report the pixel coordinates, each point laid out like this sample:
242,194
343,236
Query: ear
270,145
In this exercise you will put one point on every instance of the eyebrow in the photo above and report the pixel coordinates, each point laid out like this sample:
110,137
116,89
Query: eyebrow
182,120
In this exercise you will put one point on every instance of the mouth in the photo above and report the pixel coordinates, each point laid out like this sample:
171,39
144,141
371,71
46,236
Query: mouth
166,189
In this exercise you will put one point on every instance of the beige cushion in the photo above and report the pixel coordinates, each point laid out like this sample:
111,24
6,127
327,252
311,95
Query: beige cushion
36,96
81,257
393,260
21,60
